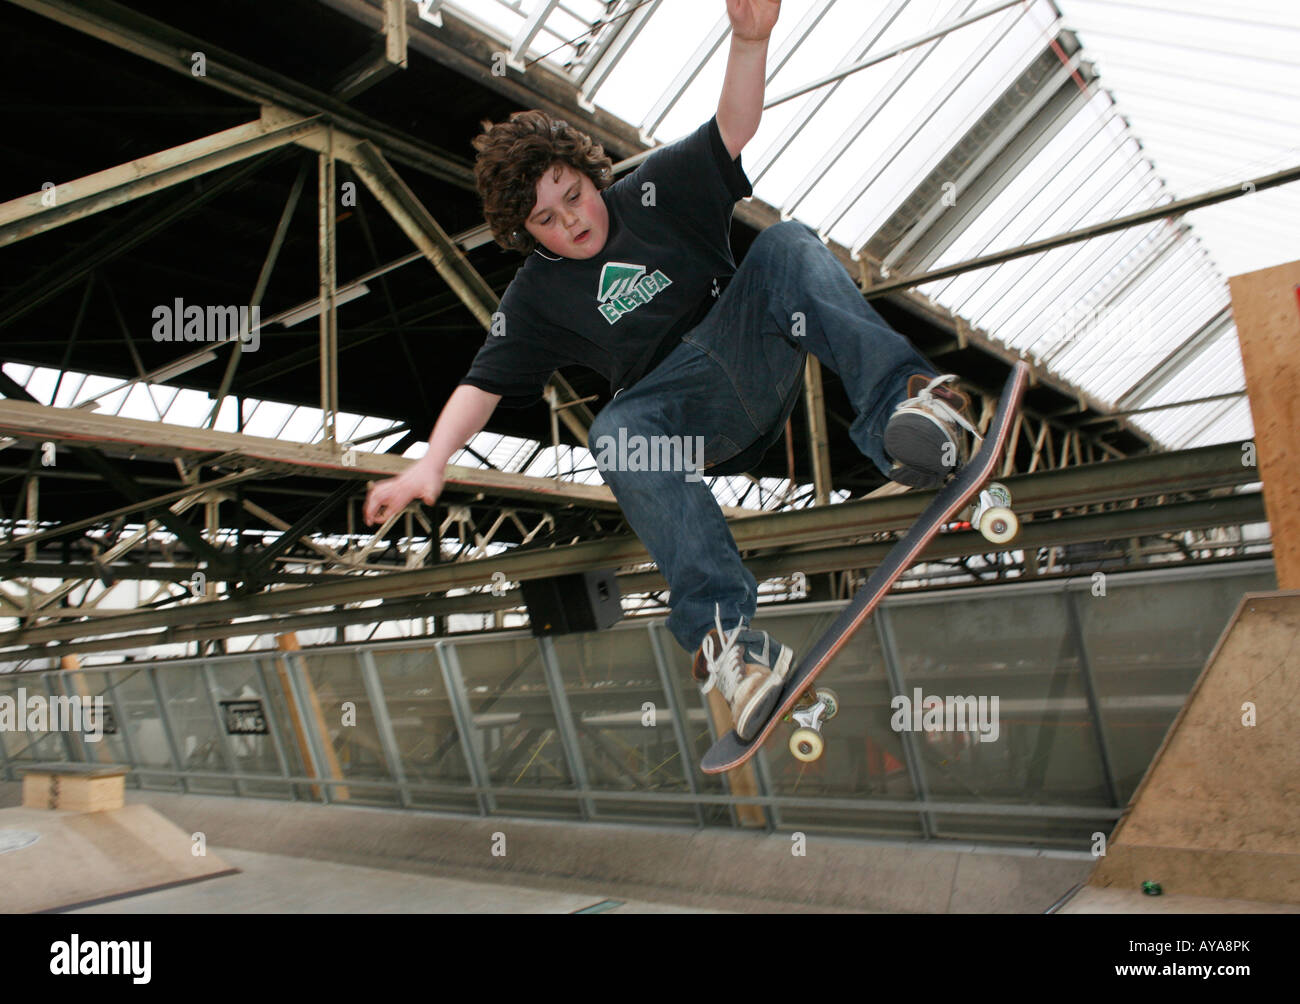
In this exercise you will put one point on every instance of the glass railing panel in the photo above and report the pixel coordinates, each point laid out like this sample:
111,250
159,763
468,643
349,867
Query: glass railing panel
347,728
623,722
511,711
429,744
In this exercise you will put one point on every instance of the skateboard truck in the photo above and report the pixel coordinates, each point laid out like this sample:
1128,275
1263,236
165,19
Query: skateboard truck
806,743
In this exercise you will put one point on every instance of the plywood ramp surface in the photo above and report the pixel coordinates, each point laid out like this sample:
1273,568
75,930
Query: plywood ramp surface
1266,309
51,859
1094,900
1218,812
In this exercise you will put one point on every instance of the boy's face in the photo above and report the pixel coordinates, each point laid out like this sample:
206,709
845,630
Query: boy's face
569,217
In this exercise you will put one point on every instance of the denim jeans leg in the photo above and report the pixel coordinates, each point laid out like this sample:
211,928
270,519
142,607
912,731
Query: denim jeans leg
674,512
791,288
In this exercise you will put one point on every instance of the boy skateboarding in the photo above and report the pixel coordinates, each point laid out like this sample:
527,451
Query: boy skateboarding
635,279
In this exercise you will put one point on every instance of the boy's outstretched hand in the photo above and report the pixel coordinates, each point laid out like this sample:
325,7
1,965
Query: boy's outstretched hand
753,20
383,498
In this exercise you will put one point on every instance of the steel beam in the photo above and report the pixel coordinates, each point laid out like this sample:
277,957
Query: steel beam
476,603
34,423
258,567
1168,209
1021,151
259,289
41,211
377,66
135,572
283,101
444,253
991,151
185,623
424,232
117,239
145,504
123,484
327,269
172,49
395,34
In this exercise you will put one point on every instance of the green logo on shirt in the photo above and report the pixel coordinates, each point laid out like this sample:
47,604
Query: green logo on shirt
624,287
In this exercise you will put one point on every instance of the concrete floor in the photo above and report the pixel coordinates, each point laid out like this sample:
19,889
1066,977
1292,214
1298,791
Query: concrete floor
305,858
274,883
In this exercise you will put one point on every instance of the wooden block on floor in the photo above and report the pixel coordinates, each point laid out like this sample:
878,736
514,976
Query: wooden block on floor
74,787
742,780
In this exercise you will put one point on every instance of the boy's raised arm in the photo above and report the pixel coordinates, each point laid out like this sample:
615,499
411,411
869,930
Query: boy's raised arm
741,104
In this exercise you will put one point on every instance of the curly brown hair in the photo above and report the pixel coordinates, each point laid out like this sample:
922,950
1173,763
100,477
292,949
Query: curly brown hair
512,157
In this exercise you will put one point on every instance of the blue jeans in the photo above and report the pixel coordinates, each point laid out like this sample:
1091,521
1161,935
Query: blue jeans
729,386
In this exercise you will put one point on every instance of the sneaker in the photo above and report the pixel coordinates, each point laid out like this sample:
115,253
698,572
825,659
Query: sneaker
748,668
925,436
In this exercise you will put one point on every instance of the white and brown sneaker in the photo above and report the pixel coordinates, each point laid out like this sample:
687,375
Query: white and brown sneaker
748,669
927,435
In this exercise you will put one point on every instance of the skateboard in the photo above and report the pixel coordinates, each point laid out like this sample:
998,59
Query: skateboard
809,706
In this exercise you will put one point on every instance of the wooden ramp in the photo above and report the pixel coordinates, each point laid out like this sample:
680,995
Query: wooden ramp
1092,899
55,860
1218,812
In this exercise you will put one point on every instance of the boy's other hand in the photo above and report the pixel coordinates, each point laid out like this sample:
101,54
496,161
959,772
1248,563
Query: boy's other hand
383,498
753,20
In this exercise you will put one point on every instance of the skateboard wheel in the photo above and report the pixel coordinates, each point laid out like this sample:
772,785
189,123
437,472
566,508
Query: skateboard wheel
806,745
828,698
999,525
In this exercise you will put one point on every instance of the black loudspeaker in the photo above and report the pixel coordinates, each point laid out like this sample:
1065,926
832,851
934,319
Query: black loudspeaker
565,604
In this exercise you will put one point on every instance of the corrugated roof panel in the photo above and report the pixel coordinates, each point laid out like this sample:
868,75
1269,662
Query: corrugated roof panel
1233,425
1215,370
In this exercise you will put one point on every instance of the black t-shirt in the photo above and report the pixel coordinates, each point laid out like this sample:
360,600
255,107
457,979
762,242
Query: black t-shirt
620,313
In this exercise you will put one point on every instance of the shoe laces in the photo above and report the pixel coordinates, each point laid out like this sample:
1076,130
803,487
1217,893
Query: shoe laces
726,665
926,398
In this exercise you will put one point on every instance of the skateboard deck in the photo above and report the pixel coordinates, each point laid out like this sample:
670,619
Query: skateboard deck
730,751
